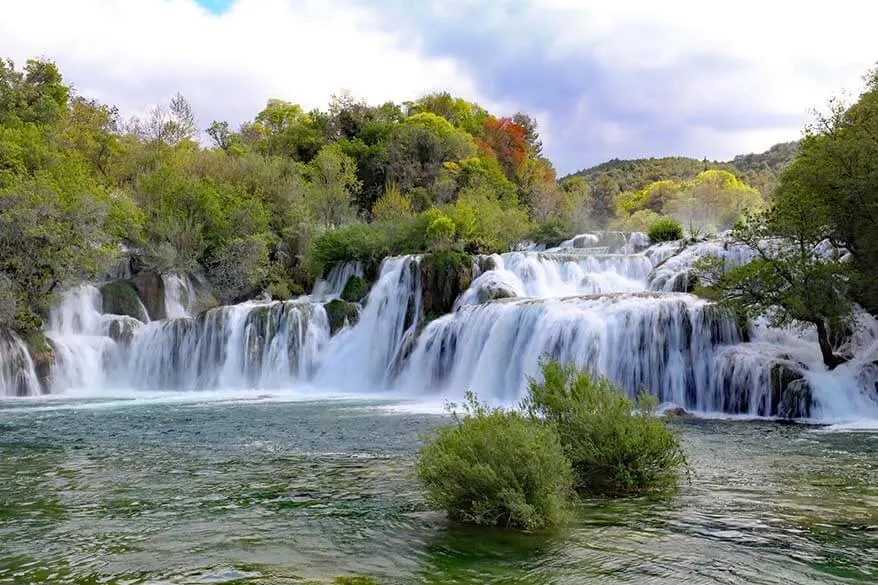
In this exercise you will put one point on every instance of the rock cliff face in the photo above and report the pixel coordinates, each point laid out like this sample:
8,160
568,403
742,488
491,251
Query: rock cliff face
444,277
120,298
151,289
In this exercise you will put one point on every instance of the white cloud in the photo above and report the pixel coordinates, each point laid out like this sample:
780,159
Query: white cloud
136,54
686,61
702,77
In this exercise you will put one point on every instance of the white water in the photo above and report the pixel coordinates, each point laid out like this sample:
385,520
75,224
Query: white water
179,295
583,304
333,285
17,375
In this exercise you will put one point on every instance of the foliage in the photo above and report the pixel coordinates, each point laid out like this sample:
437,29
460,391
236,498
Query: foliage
550,233
496,467
616,446
639,221
665,230
794,278
355,290
838,166
393,205
440,232
340,313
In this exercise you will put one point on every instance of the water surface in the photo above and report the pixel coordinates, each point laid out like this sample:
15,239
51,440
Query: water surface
296,492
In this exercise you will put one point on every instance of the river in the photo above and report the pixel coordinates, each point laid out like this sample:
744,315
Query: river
256,488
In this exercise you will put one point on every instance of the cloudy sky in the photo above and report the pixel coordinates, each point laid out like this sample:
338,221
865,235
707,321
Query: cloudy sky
605,78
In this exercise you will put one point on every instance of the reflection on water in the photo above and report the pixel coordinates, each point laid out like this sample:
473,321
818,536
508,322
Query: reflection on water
307,492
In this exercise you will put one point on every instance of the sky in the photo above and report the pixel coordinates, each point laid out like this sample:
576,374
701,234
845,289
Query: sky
604,79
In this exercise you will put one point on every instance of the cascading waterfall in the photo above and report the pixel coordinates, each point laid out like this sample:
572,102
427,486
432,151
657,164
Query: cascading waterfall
668,342
179,295
84,340
611,311
365,356
255,344
333,285
17,374
674,263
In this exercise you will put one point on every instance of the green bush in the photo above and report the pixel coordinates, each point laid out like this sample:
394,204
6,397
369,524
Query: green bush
665,230
355,290
616,446
495,467
340,313
550,233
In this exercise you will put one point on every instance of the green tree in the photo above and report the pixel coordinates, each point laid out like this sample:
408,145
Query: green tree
838,165
792,279
333,187
603,197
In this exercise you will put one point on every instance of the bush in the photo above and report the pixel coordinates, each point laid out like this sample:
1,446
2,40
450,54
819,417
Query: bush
355,290
665,230
494,467
616,446
550,233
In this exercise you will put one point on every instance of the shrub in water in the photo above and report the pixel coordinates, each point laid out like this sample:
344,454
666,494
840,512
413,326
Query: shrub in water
616,446
495,467
665,230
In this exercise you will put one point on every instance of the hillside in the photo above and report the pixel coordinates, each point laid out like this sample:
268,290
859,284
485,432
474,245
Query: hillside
760,170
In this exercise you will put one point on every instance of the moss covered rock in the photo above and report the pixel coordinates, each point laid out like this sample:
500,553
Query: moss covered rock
151,290
341,313
444,276
120,298
790,394
355,290
122,330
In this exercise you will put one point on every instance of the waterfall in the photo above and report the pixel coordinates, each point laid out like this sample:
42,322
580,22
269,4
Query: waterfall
17,374
366,355
179,295
333,285
664,344
675,263
255,344
557,274
81,339
619,313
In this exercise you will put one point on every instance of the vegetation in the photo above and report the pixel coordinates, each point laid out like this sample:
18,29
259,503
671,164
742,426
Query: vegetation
576,432
616,446
815,248
496,467
665,230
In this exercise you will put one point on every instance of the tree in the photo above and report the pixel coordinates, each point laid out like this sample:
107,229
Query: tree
334,186
393,205
791,280
603,196
35,95
838,164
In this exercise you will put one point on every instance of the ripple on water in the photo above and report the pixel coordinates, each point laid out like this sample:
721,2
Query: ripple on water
291,492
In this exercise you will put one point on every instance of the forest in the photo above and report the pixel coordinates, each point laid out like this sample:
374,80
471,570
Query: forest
267,207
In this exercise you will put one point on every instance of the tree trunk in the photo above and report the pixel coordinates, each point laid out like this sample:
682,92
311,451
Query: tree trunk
830,358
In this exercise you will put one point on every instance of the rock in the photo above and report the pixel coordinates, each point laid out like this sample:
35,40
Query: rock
120,298
42,354
355,289
341,313
790,394
677,412
444,277
151,289
122,330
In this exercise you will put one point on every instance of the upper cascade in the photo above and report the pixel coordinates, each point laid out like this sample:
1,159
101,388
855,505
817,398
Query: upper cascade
604,301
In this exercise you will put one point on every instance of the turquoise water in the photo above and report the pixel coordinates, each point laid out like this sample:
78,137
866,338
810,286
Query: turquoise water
268,492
